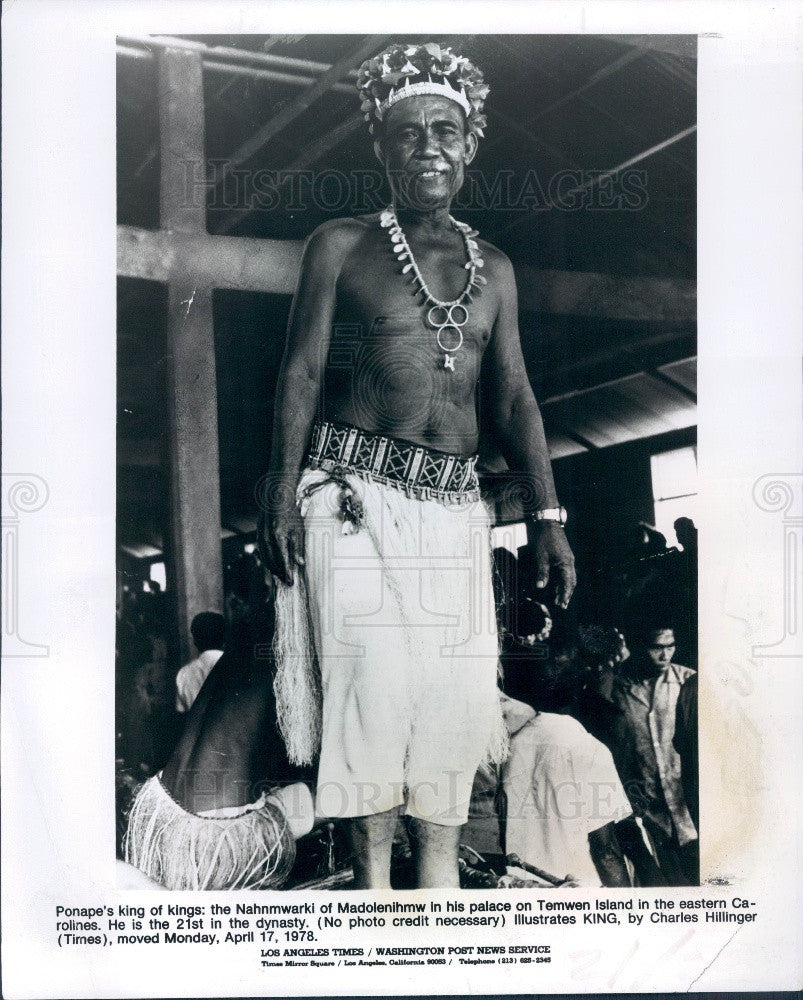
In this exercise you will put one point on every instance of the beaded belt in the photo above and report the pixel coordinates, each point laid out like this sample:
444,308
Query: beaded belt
421,472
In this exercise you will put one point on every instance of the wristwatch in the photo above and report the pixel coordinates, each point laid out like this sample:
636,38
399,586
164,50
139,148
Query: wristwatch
557,514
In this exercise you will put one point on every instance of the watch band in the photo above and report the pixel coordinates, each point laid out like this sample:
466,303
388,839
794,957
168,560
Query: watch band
557,514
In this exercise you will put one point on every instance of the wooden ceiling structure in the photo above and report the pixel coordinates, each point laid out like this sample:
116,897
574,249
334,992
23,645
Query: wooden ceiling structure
231,149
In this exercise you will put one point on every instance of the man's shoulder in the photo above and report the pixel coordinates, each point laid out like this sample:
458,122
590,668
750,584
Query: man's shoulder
497,269
677,672
559,730
328,246
340,233
209,658
614,682
495,261
188,668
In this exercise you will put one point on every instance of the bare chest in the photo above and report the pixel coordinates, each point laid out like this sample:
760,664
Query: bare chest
378,299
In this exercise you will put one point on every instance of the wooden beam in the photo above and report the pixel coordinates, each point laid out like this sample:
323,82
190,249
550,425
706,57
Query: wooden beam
193,459
581,94
239,263
673,68
663,377
194,560
645,154
684,46
181,139
222,66
515,125
272,266
601,74
325,143
146,45
615,359
311,153
273,40
585,293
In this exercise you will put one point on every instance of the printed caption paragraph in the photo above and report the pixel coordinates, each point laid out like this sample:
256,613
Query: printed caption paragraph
330,933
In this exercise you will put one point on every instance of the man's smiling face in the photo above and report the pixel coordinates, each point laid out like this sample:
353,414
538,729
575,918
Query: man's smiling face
425,148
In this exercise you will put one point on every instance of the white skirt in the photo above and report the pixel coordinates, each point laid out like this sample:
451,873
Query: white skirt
391,627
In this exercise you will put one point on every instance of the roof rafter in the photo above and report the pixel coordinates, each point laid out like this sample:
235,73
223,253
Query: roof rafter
293,109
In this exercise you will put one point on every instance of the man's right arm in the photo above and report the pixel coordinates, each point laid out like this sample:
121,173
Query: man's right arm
298,392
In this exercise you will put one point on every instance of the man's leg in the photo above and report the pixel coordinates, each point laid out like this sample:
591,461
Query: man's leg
666,851
435,848
689,856
632,843
371,841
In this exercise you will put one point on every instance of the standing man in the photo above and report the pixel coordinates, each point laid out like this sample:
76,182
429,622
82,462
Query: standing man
646,690
374,524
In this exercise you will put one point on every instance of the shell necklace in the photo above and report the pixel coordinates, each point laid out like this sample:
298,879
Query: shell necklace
447,319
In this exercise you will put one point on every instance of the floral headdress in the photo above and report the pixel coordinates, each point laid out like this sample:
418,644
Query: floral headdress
410,70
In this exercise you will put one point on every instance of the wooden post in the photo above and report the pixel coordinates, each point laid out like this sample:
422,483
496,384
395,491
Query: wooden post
194,551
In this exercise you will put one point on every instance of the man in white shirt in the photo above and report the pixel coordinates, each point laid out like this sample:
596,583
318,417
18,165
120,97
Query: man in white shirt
208,632
645,690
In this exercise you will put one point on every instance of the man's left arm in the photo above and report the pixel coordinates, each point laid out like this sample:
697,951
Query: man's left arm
519,431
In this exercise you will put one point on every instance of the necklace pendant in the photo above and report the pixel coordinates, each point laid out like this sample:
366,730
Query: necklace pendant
448,362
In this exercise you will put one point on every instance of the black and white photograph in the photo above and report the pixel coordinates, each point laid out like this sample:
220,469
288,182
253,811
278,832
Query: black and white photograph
401,498
406,347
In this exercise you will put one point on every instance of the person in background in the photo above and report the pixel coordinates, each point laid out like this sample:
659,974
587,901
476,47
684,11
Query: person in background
683,584
562,792
208,631
685,742
524,650
645,691
227,808
686,534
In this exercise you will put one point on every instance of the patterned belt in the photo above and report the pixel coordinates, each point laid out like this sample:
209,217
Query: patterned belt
421,472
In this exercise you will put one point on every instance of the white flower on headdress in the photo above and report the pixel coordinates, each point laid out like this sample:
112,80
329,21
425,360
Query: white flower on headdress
433,48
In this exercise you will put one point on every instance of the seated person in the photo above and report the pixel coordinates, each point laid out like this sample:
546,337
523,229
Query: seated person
209,819
524,648
558,792
208,631
563,795
597,658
